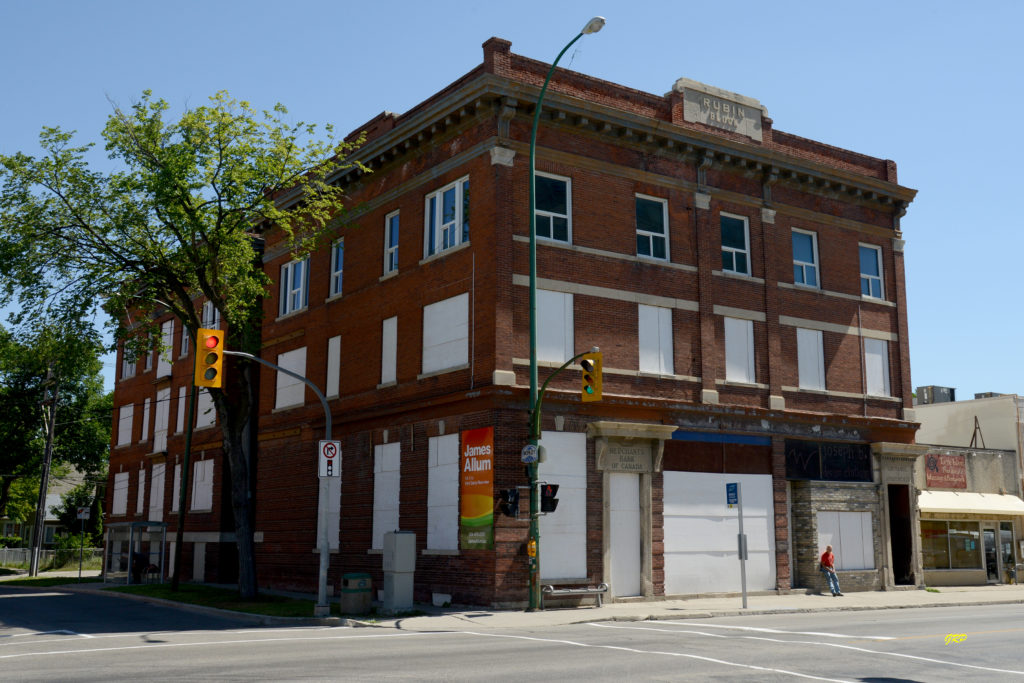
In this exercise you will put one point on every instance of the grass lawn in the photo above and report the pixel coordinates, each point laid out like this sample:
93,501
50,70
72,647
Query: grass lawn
226,598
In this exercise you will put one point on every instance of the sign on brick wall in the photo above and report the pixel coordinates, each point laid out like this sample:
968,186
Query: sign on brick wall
945,471
476,490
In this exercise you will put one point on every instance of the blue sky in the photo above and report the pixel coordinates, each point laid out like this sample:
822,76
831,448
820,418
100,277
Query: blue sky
935,86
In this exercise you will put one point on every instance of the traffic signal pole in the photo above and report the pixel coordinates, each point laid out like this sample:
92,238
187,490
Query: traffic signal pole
533,542
322,608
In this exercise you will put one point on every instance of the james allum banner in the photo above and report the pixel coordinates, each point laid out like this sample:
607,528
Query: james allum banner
476,490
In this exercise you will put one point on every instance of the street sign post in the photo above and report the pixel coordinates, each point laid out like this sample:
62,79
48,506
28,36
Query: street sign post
330,459
734,496
83,514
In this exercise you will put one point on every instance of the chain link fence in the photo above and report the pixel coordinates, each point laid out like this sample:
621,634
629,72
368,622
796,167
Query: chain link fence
20,558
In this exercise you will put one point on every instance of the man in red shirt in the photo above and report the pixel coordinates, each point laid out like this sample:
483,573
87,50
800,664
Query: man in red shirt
828,568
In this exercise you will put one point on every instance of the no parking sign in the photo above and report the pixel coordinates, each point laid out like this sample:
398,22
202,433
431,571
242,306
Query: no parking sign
330,458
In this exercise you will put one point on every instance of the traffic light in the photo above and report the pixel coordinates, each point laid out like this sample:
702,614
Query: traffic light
592,368
510,502
548,502
209,358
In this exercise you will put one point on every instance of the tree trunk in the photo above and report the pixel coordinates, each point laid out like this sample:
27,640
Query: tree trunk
236,416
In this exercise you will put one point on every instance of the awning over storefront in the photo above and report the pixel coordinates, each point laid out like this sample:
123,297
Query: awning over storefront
970,503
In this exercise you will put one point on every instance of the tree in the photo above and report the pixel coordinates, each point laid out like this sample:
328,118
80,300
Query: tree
82,430
179,220
83,495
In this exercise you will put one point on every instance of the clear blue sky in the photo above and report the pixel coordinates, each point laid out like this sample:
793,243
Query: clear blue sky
935,86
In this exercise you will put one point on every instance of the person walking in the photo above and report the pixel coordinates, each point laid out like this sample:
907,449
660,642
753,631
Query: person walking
828,568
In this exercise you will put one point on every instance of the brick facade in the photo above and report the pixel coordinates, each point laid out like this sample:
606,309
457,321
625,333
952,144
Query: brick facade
613,143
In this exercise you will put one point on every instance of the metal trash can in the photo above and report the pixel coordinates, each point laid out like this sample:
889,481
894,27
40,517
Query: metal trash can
356,593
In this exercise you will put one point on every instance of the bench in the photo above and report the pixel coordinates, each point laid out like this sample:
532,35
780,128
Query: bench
551,591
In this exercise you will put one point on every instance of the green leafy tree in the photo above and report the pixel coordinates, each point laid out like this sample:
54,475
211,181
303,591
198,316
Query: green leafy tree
31,367
179,218
83,495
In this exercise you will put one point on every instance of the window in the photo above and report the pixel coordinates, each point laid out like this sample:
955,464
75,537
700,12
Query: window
147,361
183,351
849,534
127,363
563,536
182,409
163,361
389,350
202,485
739,351
162,417
333,366
124,424
156,493
871,271
655,337
447,218
294,286
291,391
391,243
651,227
805,258
337,266
119,506
554,326
446,334
211,316
735,244
145,421
176,491
950,545
140,494
387,460
206,414
443,492
810,359
876,367
553,198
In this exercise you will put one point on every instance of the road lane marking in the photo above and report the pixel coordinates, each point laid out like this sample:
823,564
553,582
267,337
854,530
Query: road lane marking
116,648
772,630
684,655
835,645
7,596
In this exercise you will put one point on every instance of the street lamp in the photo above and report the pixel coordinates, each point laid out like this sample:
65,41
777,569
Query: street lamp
593,26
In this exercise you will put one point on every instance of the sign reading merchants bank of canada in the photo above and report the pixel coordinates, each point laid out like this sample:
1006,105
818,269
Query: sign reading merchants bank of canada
720,108
631,457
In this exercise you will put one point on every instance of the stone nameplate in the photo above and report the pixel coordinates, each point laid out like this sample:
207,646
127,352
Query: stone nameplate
622,457
720,109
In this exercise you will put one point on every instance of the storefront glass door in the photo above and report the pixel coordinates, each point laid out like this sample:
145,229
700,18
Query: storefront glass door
1006,549
988,535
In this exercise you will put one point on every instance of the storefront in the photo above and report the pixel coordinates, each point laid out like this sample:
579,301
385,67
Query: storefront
970,526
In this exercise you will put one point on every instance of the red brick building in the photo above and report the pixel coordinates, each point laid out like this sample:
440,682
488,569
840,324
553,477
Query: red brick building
745,286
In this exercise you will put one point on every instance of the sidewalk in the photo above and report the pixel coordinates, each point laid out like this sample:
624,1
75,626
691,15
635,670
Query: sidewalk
455,618
697,608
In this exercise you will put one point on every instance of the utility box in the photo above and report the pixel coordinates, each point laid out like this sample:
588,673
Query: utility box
399,570
356,593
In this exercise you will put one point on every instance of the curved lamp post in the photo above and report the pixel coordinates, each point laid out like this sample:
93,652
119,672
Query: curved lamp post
593,26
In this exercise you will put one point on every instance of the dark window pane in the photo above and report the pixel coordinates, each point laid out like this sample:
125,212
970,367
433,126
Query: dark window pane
733,234
868,261
543,226
798,275
659,248
465,211
448,208
650,216
727,261
643,245
560,228
552,195
741,263
812,277
803,247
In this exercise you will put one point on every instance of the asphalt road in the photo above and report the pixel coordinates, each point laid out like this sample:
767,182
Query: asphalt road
49,636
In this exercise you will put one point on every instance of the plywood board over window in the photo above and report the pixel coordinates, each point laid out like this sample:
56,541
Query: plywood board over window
446,334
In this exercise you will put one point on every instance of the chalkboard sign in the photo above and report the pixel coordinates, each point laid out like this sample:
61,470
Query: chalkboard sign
828,461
